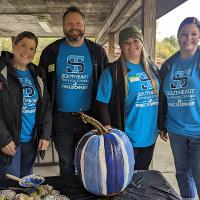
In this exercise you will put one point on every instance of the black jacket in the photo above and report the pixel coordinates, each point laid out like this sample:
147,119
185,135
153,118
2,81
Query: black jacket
48,62
11,102
113,113
165,69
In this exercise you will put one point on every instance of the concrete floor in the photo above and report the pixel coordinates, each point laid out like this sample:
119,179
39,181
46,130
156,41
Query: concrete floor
162,161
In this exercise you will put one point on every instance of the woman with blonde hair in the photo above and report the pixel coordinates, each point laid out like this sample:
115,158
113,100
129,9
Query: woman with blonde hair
127,96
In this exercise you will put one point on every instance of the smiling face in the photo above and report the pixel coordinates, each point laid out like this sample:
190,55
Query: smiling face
74,26
132,49
188,38
24,52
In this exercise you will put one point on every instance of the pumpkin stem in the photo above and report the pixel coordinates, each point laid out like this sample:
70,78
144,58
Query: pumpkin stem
87,119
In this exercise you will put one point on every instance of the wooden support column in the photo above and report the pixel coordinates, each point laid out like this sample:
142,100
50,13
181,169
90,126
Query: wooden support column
13,38
1,47
111,46
149,26
149,31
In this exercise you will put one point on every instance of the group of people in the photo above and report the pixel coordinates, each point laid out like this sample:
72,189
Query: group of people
131,94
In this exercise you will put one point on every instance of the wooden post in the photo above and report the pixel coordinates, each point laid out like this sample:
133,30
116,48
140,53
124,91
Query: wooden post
13,38
149,31
1,47
149,26
111,46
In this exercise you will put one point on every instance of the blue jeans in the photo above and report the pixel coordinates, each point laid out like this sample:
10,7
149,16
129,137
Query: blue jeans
68,129
186,152
22,162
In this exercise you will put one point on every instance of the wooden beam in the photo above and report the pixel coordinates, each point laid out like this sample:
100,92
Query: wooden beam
129,11
149,26
113,15
111,46
149,31
120,20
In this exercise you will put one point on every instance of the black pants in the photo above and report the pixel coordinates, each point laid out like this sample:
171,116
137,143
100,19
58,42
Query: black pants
68,129
143,157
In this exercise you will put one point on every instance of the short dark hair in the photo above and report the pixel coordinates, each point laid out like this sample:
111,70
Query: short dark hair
26,34
73,9
189,20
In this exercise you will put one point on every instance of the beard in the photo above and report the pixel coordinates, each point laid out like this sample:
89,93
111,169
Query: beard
74,34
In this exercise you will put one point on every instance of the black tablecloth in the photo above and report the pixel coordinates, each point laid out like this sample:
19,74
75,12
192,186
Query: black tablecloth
145,185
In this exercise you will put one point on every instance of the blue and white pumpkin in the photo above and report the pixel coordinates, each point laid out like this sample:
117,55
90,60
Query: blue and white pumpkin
105,162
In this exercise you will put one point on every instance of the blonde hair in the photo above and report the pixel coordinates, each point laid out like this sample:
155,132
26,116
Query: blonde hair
145,61
124,72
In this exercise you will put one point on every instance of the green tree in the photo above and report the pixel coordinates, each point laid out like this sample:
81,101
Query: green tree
5,44
167,47
172,40
42,43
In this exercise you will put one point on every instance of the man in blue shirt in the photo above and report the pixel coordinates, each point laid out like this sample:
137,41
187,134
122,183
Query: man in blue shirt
73,66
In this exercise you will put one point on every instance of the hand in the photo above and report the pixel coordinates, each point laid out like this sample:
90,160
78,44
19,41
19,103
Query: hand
9,149
163,136
43,144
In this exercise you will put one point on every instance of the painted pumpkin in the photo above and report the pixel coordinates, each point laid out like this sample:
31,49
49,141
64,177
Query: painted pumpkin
104,160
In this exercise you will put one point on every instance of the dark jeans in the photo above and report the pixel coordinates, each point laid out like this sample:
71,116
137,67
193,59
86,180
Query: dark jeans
22,162
68,130
186,152
143,157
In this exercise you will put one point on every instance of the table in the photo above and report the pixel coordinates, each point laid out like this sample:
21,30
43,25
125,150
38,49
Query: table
145,185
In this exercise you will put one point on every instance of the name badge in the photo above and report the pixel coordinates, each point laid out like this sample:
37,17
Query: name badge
51,68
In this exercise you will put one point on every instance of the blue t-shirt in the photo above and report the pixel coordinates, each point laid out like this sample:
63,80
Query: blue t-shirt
182,89
30,98
74,78
141,105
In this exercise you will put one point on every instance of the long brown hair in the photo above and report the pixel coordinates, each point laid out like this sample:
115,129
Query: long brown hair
146,63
